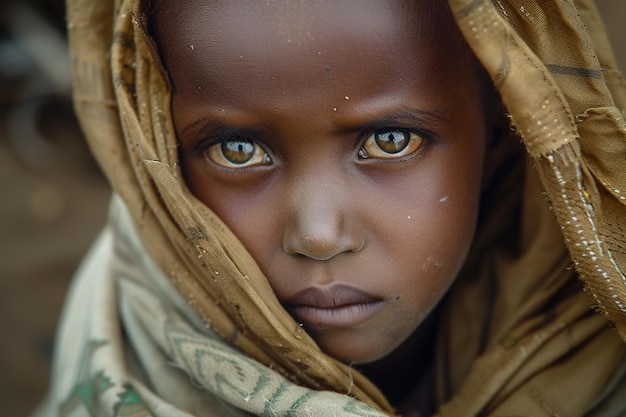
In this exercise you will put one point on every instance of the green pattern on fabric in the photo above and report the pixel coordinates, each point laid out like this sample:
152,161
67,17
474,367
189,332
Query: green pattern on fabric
86,389
269,410
130,404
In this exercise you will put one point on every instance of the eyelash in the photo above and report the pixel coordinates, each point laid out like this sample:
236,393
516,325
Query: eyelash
213,150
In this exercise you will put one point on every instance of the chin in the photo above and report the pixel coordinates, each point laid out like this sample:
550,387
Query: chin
354,350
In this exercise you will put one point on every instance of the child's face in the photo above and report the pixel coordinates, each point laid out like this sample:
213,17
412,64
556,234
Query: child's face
343,144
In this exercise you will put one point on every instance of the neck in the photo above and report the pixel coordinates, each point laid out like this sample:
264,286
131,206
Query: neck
405,375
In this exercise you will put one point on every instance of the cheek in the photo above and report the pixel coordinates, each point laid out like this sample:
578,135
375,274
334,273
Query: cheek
437,226
253,216
435,243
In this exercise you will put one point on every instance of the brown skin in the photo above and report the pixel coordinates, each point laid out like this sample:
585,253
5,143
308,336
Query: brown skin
307,87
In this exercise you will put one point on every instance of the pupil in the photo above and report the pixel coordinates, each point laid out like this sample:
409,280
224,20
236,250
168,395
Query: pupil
393,141
238,151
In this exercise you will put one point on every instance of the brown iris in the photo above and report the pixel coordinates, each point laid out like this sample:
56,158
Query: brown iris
238,152
393,141
391,144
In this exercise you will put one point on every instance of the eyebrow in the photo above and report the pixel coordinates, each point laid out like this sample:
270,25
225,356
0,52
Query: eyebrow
201,124
208,123
209,127
398,117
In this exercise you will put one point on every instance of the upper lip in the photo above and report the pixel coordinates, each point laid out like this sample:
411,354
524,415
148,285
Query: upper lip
330,297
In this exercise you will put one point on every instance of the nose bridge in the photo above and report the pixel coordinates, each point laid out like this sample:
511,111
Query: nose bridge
320,225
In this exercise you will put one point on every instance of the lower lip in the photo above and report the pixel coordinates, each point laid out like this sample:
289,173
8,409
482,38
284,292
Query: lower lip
343,316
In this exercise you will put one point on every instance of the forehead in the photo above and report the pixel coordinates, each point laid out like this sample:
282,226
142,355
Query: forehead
283,21
297,41
300,21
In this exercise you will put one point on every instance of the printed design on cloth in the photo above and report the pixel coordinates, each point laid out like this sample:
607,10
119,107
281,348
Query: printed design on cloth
130,404
83,398
248,384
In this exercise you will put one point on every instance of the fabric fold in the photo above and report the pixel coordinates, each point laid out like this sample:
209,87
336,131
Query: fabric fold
171,316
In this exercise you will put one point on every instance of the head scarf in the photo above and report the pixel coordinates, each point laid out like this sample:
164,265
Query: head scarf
517,334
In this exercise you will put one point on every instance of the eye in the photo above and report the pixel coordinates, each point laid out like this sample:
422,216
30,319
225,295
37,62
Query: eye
391,144
238,152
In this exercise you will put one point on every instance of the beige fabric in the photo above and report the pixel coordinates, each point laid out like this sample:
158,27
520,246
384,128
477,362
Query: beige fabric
127,335
541,58
517,336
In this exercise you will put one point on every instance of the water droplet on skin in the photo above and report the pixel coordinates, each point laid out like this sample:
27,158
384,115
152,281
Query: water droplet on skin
347,98
443,199
428,262
408,217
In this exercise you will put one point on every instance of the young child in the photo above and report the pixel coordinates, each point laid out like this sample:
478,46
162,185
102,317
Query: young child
323,211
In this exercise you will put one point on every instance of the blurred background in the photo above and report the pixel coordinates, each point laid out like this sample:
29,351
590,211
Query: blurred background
53,198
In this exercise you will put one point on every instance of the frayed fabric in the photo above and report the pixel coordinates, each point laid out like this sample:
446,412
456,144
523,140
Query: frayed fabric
171,316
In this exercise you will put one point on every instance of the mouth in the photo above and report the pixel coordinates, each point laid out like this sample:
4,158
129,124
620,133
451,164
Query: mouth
336,306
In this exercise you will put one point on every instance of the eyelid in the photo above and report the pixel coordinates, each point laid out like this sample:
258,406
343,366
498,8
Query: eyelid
217,134
422,121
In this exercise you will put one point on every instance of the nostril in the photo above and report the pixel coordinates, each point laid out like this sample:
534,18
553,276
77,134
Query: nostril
321,249
318,225
360,247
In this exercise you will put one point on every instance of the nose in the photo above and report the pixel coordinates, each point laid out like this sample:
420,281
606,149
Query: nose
321,223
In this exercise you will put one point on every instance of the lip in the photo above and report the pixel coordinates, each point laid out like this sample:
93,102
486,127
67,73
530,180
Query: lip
336,306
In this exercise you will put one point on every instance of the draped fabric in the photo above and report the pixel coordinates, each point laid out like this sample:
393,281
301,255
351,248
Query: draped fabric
170,315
